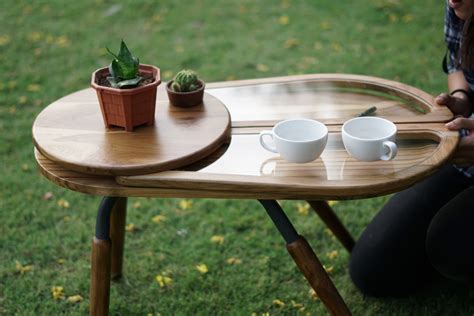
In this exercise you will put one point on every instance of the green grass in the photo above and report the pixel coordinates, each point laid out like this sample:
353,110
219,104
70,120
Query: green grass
49,48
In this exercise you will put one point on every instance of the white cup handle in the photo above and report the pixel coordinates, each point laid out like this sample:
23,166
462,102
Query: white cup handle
392,150
265,145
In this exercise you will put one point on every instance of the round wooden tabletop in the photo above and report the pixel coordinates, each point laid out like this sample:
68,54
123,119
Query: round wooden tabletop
71,132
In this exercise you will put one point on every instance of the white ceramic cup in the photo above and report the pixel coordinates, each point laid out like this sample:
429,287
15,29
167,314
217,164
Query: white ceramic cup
297,140
370,138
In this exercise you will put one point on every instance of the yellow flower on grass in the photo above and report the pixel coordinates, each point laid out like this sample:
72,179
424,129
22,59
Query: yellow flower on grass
217,239
278,303
291,42
23,269
137,205
61,261
62,41
159,218
328,232
75,299
185,204
33,87
298,306
303,208
233,260
333,254
262,67
392,18
284,20
35,37
312,294
163,280
407,18
23,99
130,228
57,292
328,269
4,40
335,46
332,203
202,268
63,203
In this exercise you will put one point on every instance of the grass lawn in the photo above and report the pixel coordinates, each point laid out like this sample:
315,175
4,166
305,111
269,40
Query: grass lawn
49,49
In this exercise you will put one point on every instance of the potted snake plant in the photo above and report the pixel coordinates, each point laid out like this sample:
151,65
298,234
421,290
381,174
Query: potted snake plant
126,90
186,89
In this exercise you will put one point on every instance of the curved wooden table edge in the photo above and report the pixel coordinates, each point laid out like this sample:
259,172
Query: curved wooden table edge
186,188
171,164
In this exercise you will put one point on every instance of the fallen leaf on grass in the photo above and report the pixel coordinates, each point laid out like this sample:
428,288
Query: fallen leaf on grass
278,303
233,260
202,268
185,204
75,299
63,203
333,254
159,218
217,239
23,269
57,292
130,228
163,280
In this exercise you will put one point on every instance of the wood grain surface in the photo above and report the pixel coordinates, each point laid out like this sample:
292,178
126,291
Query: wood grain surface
242,169
71,132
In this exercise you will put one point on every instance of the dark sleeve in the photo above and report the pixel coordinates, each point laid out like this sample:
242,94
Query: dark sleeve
452,35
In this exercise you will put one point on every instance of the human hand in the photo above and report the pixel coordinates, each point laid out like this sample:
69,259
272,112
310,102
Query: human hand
467,124
458,103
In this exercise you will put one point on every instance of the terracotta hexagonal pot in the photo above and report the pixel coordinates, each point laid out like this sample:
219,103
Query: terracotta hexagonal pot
127,107
185,99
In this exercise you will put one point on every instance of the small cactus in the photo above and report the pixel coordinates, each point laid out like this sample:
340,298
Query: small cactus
185,81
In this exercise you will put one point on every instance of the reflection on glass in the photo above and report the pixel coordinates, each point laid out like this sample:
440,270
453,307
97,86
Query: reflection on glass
313,99
246,157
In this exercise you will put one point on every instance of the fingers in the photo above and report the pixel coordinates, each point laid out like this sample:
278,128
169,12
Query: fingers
445,99
461,122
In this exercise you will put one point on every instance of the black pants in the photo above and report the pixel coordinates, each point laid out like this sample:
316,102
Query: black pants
421,233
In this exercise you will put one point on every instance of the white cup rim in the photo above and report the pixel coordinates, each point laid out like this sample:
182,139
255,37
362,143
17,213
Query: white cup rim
301,141
369,118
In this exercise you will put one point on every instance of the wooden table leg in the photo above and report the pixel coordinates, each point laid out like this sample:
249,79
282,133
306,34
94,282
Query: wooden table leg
306,260
314,272
331,220
101,260
117,236
100,277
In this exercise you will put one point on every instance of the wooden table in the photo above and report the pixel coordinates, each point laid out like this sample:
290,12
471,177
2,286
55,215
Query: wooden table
231,163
